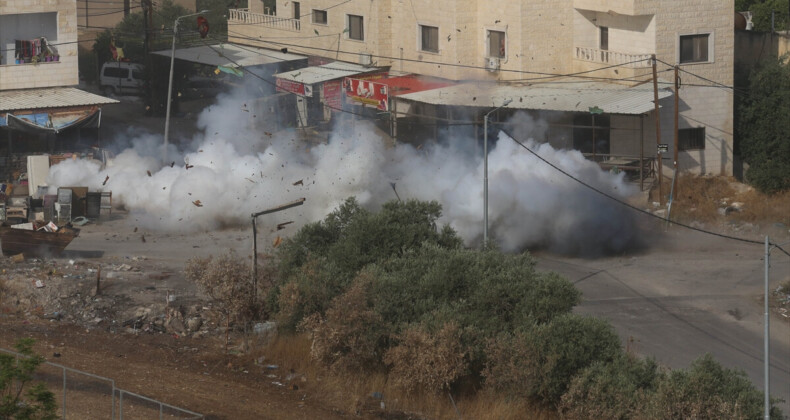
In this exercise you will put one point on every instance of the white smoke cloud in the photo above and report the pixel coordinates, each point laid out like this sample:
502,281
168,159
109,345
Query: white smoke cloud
235,171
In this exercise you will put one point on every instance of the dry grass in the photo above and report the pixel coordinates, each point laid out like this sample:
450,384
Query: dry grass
760,207
699,198
352,393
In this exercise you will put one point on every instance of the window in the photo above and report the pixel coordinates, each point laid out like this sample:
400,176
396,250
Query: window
591,133
116,72
496,44
691,139
604,38
297,10
694,48
319,17
356,29
429,38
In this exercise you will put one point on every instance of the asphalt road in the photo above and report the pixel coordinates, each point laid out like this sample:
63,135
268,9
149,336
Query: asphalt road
687,295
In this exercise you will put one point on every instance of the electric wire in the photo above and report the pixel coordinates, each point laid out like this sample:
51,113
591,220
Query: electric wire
630,206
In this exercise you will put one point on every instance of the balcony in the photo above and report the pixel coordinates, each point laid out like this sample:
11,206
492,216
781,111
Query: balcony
620,7
244,16
595,55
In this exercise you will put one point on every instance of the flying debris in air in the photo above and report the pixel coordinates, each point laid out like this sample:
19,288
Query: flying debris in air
267,133
105,180
173,163
148,172
299,182
142,238
135,230
277,241
189,166
282,226
197,203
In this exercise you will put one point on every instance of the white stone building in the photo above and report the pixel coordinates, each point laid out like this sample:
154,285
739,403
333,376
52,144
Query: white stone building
40,105
523,45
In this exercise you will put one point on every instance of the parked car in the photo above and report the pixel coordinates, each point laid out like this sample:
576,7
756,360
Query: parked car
120,77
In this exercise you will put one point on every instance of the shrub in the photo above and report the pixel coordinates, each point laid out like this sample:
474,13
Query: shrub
618,390
427,360
228,282
707,391
540,362
351,335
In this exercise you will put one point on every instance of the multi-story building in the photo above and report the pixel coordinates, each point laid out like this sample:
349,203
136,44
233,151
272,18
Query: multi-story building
40,106
532,48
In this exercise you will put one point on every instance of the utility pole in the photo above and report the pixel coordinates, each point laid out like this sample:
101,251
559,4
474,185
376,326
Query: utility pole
767,338
677,118
659,163
254,216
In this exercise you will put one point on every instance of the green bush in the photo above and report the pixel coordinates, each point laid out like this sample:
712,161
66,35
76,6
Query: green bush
618,390
17,402
320,261
539,363
707,391
351,336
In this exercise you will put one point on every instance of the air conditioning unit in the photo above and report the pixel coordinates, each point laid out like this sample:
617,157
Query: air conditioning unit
492,64
365,59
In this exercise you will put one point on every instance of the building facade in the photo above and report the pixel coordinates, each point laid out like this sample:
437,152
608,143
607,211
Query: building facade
522,43
40,106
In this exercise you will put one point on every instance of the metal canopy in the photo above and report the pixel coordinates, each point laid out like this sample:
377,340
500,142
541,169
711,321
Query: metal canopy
325,72
56,97
569,97
231,55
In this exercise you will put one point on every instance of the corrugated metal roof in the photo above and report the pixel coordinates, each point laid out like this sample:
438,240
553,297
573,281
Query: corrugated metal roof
611,98
55,97
231,55
322,73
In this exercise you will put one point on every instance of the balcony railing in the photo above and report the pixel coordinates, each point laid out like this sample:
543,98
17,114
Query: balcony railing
244,16
612,57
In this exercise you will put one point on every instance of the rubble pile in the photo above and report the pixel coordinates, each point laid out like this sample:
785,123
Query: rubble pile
66,290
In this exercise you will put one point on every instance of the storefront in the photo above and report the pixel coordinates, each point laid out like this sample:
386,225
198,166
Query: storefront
318,89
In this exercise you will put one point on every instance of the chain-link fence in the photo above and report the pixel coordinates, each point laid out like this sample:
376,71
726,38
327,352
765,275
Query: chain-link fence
82,395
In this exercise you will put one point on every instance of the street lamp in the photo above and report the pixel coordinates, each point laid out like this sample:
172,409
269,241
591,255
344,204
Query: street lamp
170,81
767,336
485,169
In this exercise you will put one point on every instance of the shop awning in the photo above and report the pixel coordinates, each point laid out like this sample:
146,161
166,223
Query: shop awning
378,92
53,122
301,81
231,55
571,97
44,98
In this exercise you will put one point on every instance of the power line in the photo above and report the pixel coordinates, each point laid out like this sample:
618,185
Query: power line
623,203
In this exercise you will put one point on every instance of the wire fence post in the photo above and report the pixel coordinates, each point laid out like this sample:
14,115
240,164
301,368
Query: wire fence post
64,393
113,401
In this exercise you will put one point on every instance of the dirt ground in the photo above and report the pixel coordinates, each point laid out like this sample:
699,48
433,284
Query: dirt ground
141,329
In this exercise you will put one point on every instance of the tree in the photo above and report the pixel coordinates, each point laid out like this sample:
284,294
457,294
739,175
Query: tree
765,126
17,400
761,13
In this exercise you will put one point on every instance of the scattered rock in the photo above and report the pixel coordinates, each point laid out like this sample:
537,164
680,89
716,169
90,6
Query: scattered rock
194,324
175,325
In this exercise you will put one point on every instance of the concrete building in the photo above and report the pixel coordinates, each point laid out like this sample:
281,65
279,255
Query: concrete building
41,110
526,44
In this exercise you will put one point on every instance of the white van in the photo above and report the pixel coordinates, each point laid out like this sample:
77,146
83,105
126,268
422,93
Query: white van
120,77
